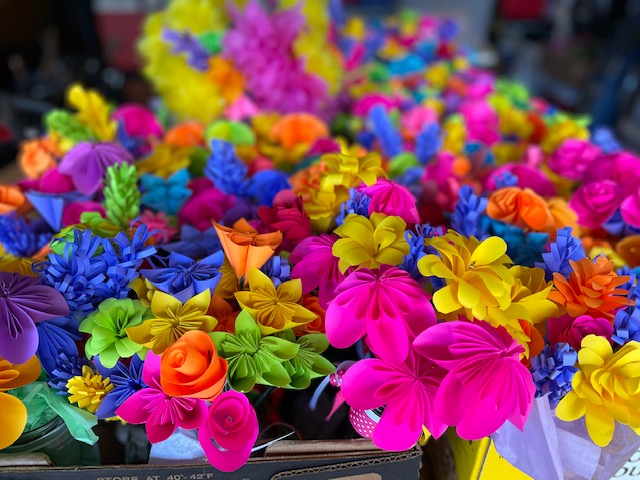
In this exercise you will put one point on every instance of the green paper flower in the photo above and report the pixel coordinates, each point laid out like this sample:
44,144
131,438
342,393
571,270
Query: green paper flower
107,327
121,194
253,359
308,363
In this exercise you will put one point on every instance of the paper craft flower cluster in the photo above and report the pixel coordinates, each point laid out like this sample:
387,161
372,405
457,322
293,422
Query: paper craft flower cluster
472,247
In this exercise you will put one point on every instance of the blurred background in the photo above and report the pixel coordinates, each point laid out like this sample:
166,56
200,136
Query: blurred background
583,55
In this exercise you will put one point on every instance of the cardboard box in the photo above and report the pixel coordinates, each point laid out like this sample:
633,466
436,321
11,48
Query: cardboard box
291,460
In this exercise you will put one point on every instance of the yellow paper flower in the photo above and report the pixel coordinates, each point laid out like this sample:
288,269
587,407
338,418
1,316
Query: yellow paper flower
172,319
88,389
323,207
560,131
437,75
144,290
606,389
274,309
349,171
370,242
476,274
165,160
453,136
228,283
93,111
21,265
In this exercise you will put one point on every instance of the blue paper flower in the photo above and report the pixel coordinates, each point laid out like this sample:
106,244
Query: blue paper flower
523,248
626,325
165,195
19,238
266,184
194,243
55,337
136,146
615,225
357,203
126,381
66,367
606,140
506,179
417,250
633,285
366,139
277,269
225,170
184,277
467,213
428,142
553,371
565,248
389,138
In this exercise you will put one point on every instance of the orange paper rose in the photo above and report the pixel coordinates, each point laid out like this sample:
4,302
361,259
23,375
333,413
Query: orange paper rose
192,368
520,207
591,289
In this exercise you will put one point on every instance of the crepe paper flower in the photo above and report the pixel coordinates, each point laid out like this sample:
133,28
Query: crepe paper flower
164,160
23,303
184,277
37,156
72,213
56,336
165,195
389,138
566,329
93,111
407,390
358,203
521,207
312,303
222,311
475,272
626,324
349,171
195,244
87,163
21,265
604,389
573,158
621,168
565,248
386,304
428,142
11,198
107,327
274,309
287,216
204,207
245,247
21,239
277,269
370,242
221,72
88,389
474,353
294,129
13,413
466,216
66,368
391,198
97,224
229,432
160,413
126,381
592,289
225,170
553,371
308,362
171,320
595,202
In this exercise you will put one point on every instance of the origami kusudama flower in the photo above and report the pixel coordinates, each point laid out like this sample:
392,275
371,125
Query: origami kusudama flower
87,163
605,389
476,274
573,158
253,358
192,368
23,303
88,389
13,413
289,217
172,319
245,248
229,431
370,242
385,304
572,330
126,381
469,398
592,289
107,326
407,390
308,362
521,207
391,198
595,202
161,413
274,309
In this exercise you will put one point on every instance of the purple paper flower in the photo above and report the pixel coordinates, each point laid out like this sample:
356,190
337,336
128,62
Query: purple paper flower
23,303
277,269
225,170
553,371
127,381
358,203
467,213
266,184
505,179
57,336
86,164
194,243
428,142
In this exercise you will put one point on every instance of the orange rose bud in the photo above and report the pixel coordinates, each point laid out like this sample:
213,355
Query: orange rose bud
191,367
520,207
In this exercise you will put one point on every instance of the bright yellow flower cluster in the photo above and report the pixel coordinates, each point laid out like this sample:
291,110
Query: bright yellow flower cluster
89,389
92,111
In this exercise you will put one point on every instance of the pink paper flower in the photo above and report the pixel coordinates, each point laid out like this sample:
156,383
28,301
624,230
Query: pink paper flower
573,158
288,216
242,108
407,390
229,432
566,329
316,266
528,177
52,181
486,384
160,413
205,205
137,121
595,202
73,211
364,104
386,304
481,120
391,198
415,119
158,223
622,168
630,209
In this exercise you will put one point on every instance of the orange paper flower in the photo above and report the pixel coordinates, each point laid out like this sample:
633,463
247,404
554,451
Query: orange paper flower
220,309
315,326
297,128
187,134
38,156
224,74
591,289
245,247
192,368
629,249
11,198
520,207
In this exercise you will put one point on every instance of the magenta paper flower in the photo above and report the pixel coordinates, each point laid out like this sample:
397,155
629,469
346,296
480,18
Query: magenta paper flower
206,205
23,303
288,216
481,120
630,209
74,210
86,164
229,432
160,413
486,384
391,198
137,121
407,390
316,266
51,181
622,168
528,177
595,202
566,329
386,304
573,158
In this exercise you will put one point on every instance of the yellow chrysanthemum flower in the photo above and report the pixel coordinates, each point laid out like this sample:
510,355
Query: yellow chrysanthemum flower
93,111
348,171
89,389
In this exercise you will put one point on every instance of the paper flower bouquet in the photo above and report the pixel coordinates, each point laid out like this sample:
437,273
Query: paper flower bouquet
477,250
